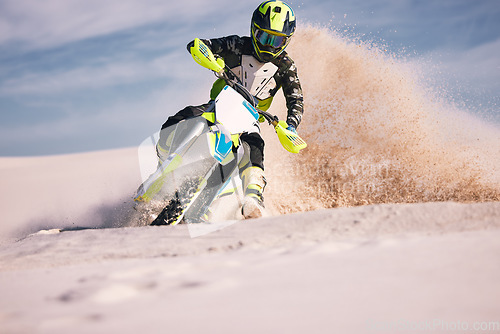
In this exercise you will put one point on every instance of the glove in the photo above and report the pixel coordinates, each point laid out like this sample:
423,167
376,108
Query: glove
291,128
262,119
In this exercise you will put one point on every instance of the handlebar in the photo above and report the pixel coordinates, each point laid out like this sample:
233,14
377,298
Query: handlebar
204,56
234,82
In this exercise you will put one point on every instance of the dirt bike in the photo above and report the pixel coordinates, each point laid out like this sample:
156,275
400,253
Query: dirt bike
201,164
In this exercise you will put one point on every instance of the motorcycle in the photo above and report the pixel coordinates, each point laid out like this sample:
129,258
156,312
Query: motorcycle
201,165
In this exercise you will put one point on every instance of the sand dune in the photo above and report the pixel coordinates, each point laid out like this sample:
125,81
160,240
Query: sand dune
52,248
383,268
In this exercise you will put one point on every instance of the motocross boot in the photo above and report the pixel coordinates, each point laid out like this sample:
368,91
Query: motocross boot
254,183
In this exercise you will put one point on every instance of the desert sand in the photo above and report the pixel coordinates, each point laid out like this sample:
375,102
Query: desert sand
385,268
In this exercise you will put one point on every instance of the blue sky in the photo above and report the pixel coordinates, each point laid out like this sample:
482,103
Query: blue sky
85,75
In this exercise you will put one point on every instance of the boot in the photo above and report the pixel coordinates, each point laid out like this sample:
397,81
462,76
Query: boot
254,183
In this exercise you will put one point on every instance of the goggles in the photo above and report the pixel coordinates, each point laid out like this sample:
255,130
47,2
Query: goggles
267,39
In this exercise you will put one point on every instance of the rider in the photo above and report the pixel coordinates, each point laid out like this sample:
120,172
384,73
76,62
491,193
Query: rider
264,67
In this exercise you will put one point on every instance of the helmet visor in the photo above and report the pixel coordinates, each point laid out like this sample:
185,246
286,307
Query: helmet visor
267,39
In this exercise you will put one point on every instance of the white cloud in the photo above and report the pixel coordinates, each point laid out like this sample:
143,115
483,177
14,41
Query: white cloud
172,66
37,23
79,78
481,61
476,69
44,24
126,121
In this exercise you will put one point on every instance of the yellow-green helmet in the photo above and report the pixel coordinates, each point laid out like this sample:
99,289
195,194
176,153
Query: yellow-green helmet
273,23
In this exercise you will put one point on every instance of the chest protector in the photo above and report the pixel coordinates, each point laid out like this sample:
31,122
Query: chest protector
257,77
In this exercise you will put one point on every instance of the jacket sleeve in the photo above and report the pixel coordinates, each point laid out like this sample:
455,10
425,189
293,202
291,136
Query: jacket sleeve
292,91
224,46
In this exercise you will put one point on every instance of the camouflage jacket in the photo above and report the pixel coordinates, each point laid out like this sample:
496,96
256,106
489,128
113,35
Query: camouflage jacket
232,48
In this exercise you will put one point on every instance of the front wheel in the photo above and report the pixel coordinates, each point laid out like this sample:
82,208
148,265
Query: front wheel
173,211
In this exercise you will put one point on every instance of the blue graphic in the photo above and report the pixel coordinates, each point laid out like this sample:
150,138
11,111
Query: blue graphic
223,146
252,110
